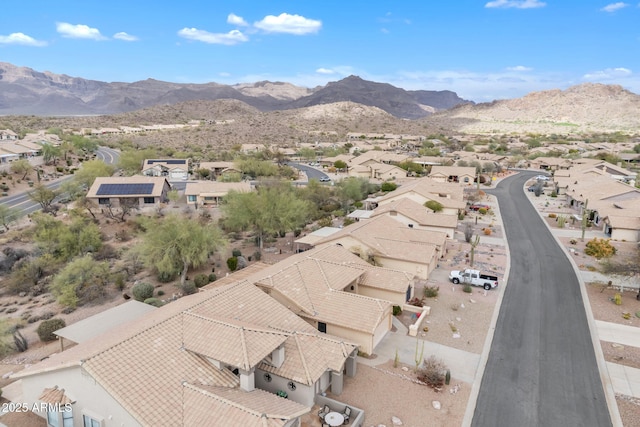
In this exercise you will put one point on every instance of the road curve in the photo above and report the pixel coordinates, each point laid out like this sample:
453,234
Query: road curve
542,369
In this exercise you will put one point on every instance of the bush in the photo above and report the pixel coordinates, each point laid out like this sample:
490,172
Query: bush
600,248
232,263
154,302
188,288
433,373
47,327
236,253
467,288
552,215
388,186
431,291
487,231
160,293
201,280
257,256
482,211
142,291
164,277
434,206
397,310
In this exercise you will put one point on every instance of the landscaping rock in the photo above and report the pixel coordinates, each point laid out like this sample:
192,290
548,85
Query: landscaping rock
396,421
436,404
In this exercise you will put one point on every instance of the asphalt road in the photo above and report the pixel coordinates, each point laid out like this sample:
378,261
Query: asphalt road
24,205
312,173
542,370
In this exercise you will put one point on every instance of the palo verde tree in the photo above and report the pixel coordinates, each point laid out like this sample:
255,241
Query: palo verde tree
90,170
271,209
7,216
44,196
82,280
21,167
175,244
63,241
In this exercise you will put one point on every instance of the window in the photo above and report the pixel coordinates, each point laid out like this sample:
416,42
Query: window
103,201
267,377
90,421
192,198
67,417
466,179
52,419
291,385
322,327
149,200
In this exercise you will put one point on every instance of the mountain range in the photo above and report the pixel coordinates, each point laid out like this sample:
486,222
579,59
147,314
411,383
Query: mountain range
24,91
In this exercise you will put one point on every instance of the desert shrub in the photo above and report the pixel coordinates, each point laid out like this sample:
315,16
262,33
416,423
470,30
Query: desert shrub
388,186
47,327
212,277
232,263
154,302
434,206
617,299
467,288
468,232
119,280
141,291
201,280
257,256
460,215
482,211
431,291
166,277
433,373
573,241
416,302
188,288
348,221
325,222
552,215
600,248
160,292
397,310
487,231
553,194
236,253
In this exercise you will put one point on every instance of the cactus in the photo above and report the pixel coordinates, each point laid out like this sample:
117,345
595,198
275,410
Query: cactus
447,377
617,299
473,243
418,359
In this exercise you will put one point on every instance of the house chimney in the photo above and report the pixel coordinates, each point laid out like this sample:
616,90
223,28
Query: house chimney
277,356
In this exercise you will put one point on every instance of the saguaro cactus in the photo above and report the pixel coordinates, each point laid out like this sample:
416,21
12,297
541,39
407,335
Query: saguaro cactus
474,242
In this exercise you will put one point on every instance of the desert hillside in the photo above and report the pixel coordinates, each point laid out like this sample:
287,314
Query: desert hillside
580,109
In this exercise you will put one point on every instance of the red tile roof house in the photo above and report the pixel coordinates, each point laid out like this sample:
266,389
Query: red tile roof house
216,358
140,191
337,292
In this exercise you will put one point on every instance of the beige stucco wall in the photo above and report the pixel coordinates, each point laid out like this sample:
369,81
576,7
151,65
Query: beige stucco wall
395,298
362,339
89,396
303,394
421,270
627,235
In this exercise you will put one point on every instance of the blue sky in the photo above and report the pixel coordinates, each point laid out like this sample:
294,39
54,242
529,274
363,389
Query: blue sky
483,50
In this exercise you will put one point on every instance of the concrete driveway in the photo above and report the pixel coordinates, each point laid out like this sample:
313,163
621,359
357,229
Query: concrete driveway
542,369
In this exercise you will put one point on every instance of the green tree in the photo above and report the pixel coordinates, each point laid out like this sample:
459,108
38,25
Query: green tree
307,153
268,210
131,160
353,190
50,153
90,170
82,143
82,280
43,196
7,216
434,205
175,244
63,241
173,196
340,165
21,167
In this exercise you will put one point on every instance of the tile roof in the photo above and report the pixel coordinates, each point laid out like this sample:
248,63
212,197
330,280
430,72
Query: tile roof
54,396
144,364
452,170
215,188
417,212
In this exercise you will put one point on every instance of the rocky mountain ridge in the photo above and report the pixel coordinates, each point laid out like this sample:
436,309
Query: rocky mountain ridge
24,91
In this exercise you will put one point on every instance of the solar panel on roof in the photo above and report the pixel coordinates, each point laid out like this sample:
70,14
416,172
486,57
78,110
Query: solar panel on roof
124,189
168,161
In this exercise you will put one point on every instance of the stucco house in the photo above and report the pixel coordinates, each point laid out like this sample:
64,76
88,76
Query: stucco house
461,174
411,213
338,292
449,195
392,244
210,193
204,359
172,169
139,191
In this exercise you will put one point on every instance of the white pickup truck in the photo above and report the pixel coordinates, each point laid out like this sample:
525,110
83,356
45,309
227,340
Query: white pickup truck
474,277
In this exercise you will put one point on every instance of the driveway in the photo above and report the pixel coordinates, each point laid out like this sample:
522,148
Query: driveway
542,369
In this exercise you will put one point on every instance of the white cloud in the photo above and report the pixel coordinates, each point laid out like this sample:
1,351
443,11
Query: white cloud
22,39
236,20
231,38
518,4
125,37
78,31
608,74
519,68
612,7
325,71
290,24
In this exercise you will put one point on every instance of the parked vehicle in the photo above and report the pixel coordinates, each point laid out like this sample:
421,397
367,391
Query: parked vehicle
532,188
542,178
474,277
478,206
325,179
